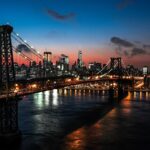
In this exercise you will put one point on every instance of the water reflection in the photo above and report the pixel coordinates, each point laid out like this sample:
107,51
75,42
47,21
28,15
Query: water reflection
38,100
75,92
60,91
65,92
47,97
44,99
138,96
78,139
128,96
120,127
134,94
55,97
147,95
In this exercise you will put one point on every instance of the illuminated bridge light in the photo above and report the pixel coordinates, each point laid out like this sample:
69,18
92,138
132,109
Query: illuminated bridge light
96,77
68,80
111,76
77,79
89,78
34,85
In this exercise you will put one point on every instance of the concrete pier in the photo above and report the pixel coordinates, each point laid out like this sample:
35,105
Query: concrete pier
9,130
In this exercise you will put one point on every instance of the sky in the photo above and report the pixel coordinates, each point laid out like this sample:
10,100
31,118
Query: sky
100,28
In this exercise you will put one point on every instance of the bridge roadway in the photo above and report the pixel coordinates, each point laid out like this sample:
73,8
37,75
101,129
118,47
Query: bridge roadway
41,84
87,79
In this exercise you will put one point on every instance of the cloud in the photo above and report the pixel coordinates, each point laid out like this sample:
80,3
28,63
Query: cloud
128,49
121,42
59,16
22,47
124,3
145,46
138,51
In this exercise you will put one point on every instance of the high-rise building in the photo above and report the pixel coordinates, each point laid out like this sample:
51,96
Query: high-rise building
80,55
80,63
145,70
64,59
94,67
48,56
47,64
62,65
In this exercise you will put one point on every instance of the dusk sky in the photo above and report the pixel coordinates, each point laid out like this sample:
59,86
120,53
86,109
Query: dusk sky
100,28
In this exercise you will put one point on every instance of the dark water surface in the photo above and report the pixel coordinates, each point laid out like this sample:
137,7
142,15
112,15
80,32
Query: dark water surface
84,120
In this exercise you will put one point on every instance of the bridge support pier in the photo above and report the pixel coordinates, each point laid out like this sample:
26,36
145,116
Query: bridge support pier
111,93
146,82
120,93
9,131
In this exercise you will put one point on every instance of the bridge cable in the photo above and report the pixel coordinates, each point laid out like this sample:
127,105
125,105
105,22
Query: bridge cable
104,67
22,55
109,71
21,43
31,48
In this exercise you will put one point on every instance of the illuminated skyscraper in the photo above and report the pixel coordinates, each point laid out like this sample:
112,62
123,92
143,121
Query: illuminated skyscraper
48,56
47,64
64,59
80,63
62,65
145,70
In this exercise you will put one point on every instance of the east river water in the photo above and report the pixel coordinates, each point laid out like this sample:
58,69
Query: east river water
63,119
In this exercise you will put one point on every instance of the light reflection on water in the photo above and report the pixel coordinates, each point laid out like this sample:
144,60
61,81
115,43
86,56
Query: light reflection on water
78,139
46,97
139,96
57,112
123,125
39,100
50,111
55,97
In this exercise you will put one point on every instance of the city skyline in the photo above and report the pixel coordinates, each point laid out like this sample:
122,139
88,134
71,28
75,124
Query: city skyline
100,29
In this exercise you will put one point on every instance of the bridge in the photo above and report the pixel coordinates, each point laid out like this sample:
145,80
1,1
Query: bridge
12,88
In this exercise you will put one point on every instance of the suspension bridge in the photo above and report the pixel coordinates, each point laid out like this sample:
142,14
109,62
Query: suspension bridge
11,88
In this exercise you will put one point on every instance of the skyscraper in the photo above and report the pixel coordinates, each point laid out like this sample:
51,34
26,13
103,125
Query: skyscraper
48,56
47,63
64,59
80,63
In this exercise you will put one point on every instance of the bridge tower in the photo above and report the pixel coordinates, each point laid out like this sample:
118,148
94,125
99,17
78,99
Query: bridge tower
7,72
8,106
116,66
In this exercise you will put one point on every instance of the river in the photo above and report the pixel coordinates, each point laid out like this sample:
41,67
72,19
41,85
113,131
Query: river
83,120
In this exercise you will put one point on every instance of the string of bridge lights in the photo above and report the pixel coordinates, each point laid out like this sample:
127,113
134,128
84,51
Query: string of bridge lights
19,39
22,55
